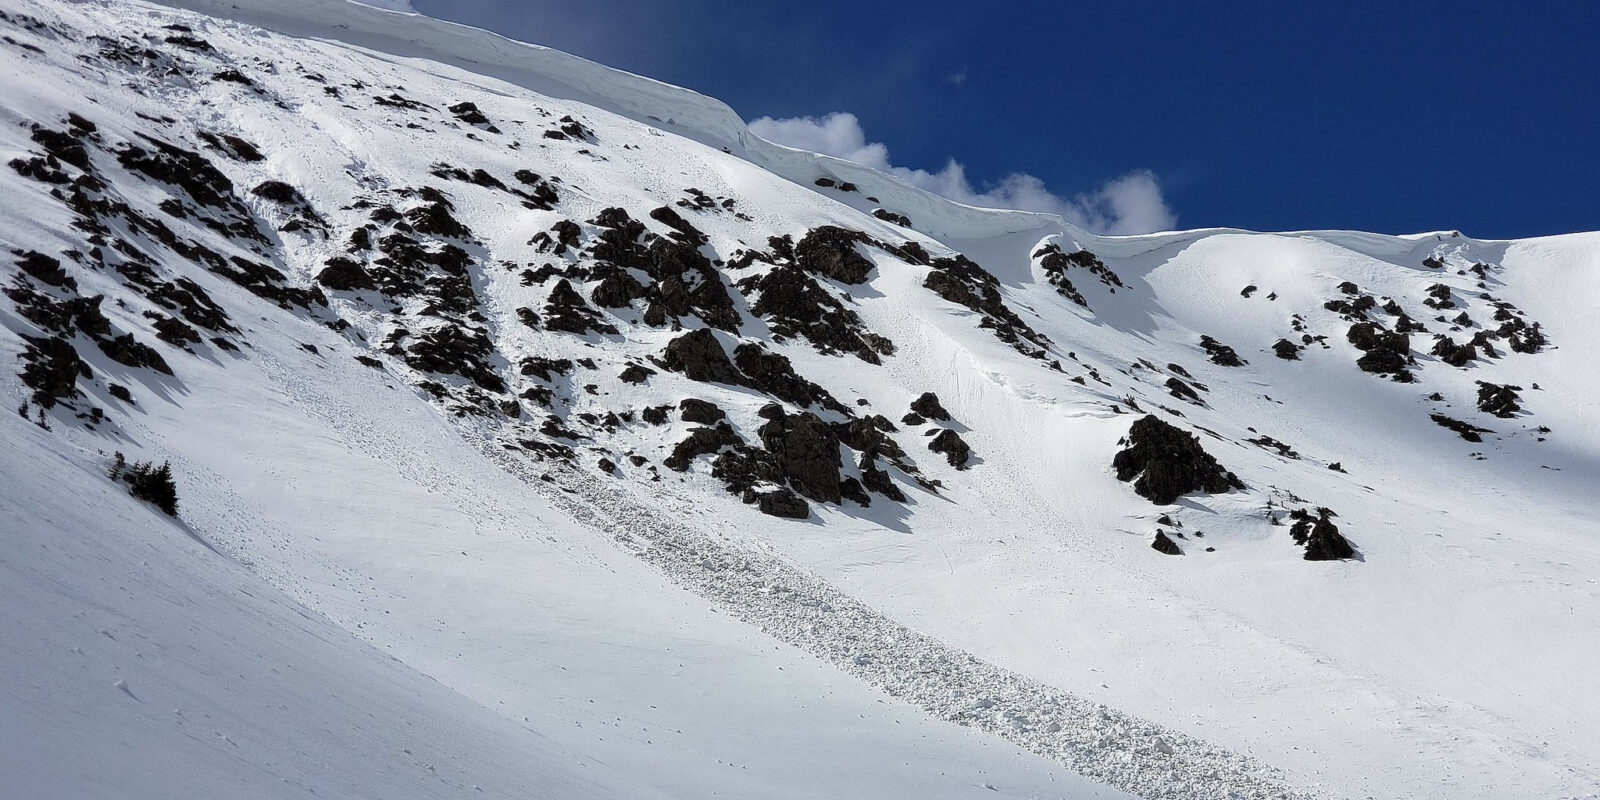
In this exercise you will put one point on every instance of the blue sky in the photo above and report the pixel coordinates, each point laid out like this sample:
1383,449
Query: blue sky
1483,117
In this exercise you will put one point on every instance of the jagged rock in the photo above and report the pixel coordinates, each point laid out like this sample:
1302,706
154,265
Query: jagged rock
1167,462
617,288
1456,355
889,216
279,192
1498,399
566,311
807,450
1321,537
774,374
345,275
701,441
635,373
686,232
544,368
1286,350
912,418
795,305
960,280
468,112
130,352
655,415
693,409
700,357
869,435
877,479
1220,354
1183,391
51,369
851,489
456,350
1466,430
45,269
1056,263
952,446
173,331
1163,544
781,503
927,405
1386,351
771,411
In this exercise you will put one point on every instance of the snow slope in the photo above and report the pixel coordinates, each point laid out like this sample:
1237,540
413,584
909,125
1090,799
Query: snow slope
637,630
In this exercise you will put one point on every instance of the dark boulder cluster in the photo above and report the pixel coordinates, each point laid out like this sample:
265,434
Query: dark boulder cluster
889,216
699,355
1465,430
469,113
51,363
1166,462
566,311
774,374
302,216
1162,543
1384,351
1056,264
1520,335
793,303
926,407
1220,354
679,281
960,280
1319,536
124,236
806,449
1439,297
1499,399
199,180
1456,355
950,444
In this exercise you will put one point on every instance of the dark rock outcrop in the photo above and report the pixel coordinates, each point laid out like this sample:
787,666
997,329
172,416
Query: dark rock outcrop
1320,536
700,357
700,442
705,412
1498,399
1163,544
1465,430
1166,462
1220,354
774,374
953,447
927,406
807,450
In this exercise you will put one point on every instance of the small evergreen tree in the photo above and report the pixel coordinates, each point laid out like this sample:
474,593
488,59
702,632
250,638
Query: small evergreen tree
149,483
117,466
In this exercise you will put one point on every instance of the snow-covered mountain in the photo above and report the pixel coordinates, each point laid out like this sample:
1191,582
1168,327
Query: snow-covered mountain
537,430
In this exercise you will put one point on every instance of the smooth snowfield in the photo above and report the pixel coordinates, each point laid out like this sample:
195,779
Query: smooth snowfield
619,636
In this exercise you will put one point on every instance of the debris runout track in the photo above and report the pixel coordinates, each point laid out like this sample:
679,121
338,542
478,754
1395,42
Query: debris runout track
802,610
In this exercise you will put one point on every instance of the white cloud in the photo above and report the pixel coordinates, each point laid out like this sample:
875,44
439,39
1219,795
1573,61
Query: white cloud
1129,204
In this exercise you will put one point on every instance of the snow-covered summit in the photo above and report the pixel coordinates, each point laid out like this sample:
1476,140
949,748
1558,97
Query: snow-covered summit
684,463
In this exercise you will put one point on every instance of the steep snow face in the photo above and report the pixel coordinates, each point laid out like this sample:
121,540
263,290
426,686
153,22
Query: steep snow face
672,448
